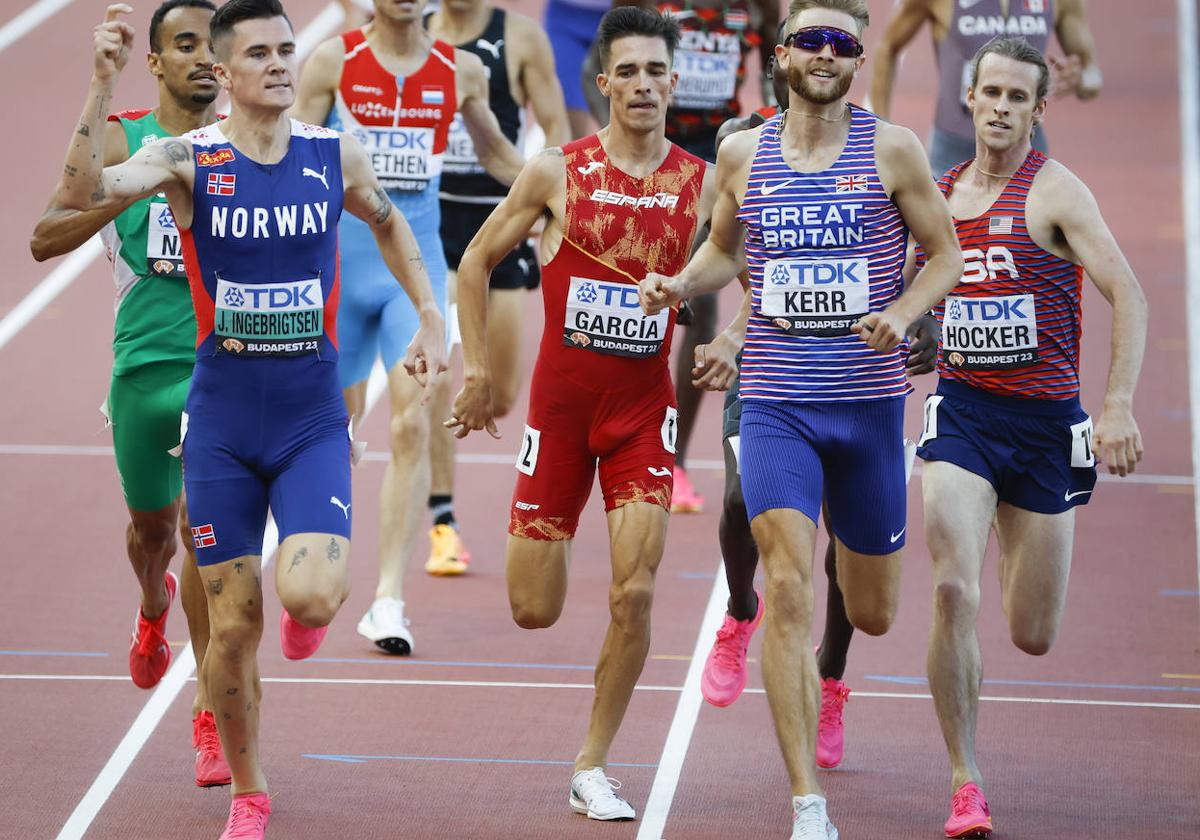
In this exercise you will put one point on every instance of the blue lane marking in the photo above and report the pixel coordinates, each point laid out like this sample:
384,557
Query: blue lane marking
1180,593
696,575
394,660
921,681
363,759
49,653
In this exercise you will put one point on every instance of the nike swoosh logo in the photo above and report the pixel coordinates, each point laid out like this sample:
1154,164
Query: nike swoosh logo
896,537
1069,496
768,189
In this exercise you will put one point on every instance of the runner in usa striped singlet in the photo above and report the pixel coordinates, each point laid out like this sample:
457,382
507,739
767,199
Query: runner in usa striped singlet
617,204
256,200
1006,443
820,199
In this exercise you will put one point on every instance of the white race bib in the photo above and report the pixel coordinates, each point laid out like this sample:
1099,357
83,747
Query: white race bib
403,158
269,319
990,333
606,318
706,79
816,297
460,156
163,255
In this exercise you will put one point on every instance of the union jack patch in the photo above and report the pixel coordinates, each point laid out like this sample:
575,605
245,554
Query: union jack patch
220,183
203,536
850,183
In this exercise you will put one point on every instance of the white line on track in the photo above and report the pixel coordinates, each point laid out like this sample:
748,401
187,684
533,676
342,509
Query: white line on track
683,723
63,275
1189,124
185,665
27,20
876,695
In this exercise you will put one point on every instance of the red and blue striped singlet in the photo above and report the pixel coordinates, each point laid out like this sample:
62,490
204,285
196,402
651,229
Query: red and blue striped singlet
1012,325
823,249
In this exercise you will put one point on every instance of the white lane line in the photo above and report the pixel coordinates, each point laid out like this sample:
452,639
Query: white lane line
179,673
63,275
27,20
679,736
1189,125
349,681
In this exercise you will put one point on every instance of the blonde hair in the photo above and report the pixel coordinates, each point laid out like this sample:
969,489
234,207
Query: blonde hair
857,9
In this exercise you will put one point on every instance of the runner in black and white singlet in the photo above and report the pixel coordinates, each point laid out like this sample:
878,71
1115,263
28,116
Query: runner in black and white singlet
257,199
822,199
962,27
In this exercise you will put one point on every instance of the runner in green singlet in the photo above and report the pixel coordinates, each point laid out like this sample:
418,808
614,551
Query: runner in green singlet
154,342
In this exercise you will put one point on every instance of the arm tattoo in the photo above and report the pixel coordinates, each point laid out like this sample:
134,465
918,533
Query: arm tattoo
553,151
231,691
99,194
70,170
334,551
84,131
176,151
300,555
215,586
384,210
237,567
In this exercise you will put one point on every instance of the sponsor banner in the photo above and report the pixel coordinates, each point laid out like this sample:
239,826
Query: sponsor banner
990,333
276,319
606,318
816,297
164,258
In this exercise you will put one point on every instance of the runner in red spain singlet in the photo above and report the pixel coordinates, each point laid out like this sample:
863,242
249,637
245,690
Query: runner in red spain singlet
618,204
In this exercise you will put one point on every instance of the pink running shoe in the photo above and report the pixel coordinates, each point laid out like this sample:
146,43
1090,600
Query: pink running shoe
211,768
248,816
684,498
969,813
724,677
298,641
831,733
149,653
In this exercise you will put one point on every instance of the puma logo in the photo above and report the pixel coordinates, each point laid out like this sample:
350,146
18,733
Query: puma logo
494,49
334,500
320,176
590,168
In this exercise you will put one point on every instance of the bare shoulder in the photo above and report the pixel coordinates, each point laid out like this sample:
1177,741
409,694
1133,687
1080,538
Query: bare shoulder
468,64
549,166
527,33
1059,192
171,150
893,140
738,148
324,66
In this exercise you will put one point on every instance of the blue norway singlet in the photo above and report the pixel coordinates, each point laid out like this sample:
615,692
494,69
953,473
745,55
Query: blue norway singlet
262,253
823,249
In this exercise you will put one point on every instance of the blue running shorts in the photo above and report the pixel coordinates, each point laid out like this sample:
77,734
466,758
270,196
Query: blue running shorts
852,452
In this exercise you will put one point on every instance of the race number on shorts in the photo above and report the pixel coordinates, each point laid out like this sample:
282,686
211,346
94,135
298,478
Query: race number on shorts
670,429
531,442
1082,455
929,431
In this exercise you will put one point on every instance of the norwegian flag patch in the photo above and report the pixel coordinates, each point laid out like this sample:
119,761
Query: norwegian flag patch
433,96
850,183
1000,226
203,536
220,183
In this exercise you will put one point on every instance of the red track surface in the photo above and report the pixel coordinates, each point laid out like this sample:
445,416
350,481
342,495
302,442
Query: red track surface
1066,768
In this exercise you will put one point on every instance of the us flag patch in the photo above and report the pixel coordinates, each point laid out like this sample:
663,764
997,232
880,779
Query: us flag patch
203,536
220,183
1000,226
850,183
433,96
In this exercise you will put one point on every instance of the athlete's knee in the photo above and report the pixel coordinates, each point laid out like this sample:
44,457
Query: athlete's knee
409,428
789,597
630,600
1032,635
153,537
955,601
874,617
534,613
234,631
314,608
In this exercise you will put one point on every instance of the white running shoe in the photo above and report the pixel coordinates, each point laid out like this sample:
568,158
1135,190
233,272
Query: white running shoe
809,820
385,625
593,793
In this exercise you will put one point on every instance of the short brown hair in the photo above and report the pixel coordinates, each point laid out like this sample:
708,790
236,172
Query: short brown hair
623,21
1018,49
857,9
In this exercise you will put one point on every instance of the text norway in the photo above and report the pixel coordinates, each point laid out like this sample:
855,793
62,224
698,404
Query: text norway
313,219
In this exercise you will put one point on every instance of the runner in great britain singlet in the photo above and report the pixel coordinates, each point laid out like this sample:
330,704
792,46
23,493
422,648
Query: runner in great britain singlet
266,423
404,123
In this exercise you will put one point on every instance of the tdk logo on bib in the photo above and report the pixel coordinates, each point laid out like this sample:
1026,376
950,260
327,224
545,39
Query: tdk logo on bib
276,319
994,333
402,158
606,318
816,297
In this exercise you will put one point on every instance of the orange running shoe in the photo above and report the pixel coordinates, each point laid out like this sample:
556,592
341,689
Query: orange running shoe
684,498
969,813
248,817
149,653
298,641
447,554
831,733
211,768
